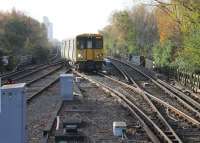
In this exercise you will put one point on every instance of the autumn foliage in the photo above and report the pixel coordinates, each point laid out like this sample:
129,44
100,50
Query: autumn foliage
167,32
22,35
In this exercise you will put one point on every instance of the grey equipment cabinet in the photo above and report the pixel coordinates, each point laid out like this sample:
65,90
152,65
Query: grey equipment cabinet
13,114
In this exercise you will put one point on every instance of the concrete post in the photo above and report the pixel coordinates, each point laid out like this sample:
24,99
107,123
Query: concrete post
13,114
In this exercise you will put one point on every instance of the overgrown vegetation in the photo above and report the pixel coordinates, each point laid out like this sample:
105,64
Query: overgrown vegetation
168,33
131,31
21,35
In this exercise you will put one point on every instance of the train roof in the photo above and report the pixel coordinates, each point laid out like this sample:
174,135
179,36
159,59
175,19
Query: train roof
89,35
83,35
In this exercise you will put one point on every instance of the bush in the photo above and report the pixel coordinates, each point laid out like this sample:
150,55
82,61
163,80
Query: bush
162,53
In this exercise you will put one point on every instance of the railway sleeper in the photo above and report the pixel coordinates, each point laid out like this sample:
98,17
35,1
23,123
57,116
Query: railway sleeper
162,138
170,135
158,134
188,108
194,113
171,138
181,118
161,124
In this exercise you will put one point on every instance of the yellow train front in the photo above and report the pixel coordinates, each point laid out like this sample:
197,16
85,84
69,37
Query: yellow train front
85,51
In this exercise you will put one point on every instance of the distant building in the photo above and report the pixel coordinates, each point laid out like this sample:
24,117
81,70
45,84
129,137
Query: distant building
49,27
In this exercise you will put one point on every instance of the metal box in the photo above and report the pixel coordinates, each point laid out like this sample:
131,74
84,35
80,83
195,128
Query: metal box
66,86
13,114
119,128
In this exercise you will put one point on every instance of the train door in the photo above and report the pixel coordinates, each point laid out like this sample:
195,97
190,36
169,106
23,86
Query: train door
90,53
82,49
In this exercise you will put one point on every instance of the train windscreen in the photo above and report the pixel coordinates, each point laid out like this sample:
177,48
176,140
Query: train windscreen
97,42
90,42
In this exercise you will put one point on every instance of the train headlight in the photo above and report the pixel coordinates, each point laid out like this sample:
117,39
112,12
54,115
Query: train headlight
99,56
80,56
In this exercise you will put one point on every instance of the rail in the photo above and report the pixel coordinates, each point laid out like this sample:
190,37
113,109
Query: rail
154,132
177,97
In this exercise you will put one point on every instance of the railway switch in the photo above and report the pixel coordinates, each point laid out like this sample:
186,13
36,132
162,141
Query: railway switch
66,86
13,114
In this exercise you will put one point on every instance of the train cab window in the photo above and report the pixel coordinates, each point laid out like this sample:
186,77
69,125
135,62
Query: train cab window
89,44
81,44
97,43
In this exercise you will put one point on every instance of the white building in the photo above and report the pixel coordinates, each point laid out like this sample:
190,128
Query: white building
49,27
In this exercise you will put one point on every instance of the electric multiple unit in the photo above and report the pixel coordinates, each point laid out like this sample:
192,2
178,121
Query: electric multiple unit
85,51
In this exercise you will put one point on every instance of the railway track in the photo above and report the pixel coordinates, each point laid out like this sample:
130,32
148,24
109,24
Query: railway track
94,111
17,75
40,79
43,98
37,84
161,90
191,99
152,121
15,72
180,108
42,112
44,104
27,78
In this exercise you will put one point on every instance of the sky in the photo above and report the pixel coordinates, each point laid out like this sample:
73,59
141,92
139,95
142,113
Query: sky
70,17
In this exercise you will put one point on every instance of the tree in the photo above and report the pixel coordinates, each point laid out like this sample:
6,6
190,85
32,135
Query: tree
146,32
185,14
131,32
22,35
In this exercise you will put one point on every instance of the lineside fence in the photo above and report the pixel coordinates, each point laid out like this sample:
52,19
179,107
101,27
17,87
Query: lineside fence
185,78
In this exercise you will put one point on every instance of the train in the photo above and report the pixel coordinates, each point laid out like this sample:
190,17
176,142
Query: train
85,51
